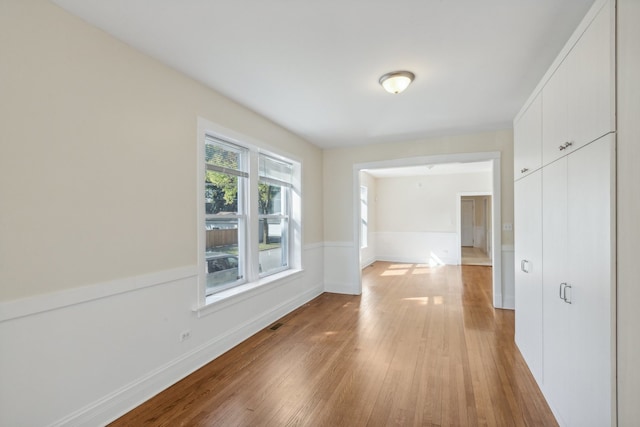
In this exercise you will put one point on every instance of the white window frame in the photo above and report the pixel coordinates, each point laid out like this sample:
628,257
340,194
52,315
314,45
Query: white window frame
242,215
253,278
364,217
284,215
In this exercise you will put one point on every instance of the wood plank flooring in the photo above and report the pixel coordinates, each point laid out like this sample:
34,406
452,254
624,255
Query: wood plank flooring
475,256
422,346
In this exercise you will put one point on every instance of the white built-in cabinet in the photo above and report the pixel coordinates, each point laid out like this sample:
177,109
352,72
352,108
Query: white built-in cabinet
577,101
528,272
565,227
578,284
527,137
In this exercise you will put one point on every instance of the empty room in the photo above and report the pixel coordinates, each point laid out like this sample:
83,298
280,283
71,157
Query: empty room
276,213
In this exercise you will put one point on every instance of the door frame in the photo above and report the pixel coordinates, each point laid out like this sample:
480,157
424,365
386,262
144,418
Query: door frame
473,220
496,204
459,221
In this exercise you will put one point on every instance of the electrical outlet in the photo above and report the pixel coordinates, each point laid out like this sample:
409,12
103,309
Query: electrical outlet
507,226
185,335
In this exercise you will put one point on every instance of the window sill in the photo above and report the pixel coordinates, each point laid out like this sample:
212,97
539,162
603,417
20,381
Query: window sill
235,295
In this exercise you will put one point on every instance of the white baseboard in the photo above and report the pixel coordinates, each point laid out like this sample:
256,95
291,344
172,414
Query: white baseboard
509,303
367,263
341,288
135,393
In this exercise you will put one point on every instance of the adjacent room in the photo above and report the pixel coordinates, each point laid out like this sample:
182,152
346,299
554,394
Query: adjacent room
311,213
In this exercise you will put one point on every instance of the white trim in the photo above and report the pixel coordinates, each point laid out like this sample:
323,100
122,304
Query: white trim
366,263
459,217
340,244
496,250
339,288
496,206
52,301
135,393
14,309
233,296
313,246
255,148
422,160
410,260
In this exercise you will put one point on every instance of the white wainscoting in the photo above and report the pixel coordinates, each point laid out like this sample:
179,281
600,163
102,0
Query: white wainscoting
368,254
340,273
508,277
91,355
417,247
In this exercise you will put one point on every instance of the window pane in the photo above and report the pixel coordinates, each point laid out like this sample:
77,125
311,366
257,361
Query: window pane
272,199
223,155
221,193
364,213
222,264
275,169
273,244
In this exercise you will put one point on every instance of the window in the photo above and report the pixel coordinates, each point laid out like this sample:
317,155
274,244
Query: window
249,210
225,214
364,214
274,194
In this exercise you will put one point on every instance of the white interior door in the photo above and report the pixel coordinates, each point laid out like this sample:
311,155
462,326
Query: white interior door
466,220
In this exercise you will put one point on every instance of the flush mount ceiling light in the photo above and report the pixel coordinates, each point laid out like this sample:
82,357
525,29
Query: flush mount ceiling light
396,81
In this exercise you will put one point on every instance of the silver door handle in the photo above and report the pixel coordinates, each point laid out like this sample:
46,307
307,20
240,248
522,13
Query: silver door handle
524,265
567,299
562,291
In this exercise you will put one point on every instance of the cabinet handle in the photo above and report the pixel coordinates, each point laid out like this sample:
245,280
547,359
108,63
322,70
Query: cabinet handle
565,145
567,299
563,293
523,170
524,265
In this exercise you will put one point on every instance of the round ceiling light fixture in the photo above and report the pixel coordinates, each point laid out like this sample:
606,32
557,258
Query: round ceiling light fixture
396,81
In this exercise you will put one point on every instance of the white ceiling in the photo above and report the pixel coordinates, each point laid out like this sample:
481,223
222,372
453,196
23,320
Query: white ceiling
313,66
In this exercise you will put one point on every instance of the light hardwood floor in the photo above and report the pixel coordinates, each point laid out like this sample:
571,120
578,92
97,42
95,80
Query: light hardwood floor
475,256
420,347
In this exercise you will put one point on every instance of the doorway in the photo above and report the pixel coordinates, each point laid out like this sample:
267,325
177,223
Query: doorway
475,229
354,270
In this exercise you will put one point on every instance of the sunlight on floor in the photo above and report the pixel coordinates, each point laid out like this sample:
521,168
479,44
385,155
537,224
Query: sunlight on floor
416,269
421,300
394,272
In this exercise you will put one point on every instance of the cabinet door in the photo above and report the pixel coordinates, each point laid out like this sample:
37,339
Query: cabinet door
528,270
555,131
590,229
590,83
528,140
556,346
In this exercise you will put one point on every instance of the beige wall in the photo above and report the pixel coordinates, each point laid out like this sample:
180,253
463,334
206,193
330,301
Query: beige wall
98,155
339,163
425,203
628,270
